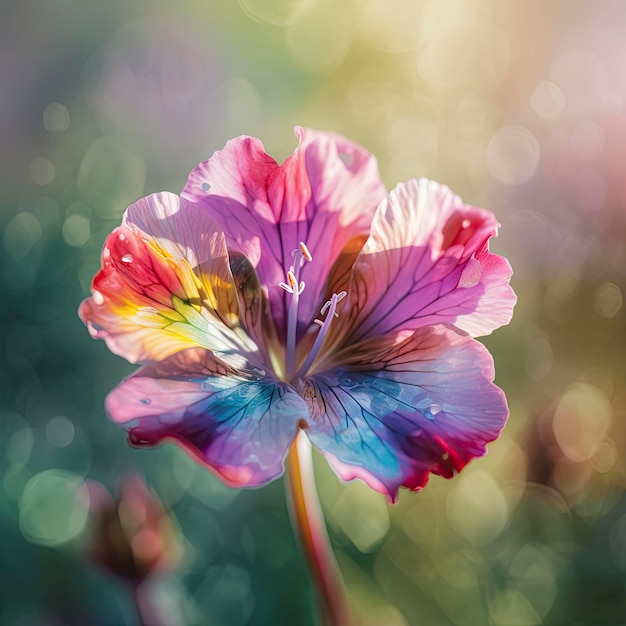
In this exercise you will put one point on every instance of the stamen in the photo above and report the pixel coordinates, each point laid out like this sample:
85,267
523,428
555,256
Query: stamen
295,287
305,251
330,306
292,316
293,281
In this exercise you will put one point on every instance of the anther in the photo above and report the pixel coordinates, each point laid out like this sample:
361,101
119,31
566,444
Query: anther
293,281
338,298
305,251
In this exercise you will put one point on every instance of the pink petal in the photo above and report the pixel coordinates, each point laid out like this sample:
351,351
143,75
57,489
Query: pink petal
239,427
165,284
396,410
324,195
427,262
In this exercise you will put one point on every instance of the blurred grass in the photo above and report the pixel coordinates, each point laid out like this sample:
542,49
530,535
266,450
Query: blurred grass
518,106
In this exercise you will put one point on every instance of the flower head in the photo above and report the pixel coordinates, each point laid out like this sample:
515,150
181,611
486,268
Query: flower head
133,536
272,298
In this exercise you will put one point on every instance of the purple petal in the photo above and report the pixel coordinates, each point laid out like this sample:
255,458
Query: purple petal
395,411
427,262
239,426
324,195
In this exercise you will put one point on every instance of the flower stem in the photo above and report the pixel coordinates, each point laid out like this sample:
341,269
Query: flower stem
306,516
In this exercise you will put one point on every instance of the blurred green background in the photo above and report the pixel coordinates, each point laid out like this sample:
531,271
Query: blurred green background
518,105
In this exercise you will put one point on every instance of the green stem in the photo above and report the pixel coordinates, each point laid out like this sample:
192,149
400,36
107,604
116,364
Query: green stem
308,522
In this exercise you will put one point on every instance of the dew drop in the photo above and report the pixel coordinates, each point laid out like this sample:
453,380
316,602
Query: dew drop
206,186
465,223
106,253
432,411
122,237
98,298
127,258
145,400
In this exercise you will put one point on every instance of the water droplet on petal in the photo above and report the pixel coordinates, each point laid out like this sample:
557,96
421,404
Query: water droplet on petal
465,223
206,186
432,411
106,253
145,400
127,258
122,236
98,298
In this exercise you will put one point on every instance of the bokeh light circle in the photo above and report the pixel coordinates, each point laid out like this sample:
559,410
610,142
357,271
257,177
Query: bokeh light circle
56,117
513,155
276,12
53,508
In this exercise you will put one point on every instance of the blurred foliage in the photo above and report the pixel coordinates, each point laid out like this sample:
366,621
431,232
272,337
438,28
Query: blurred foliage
518,105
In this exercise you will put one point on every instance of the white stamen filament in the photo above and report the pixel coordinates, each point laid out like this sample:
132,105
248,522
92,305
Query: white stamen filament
330,306
295,288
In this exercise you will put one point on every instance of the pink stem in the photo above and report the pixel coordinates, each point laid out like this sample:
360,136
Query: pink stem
306,516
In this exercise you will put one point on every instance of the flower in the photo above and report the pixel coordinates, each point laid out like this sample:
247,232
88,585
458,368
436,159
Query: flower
269,299
132,537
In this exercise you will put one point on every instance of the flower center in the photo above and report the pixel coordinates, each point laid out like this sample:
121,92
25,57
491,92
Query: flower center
295,287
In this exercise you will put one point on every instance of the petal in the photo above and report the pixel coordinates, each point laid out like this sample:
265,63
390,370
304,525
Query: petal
165,285
427,262
239,426
395,411
324,195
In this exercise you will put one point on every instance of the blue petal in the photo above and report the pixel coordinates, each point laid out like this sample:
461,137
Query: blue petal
241,427
392,414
